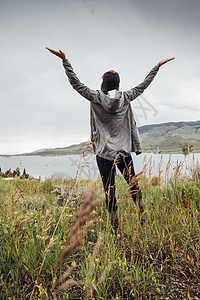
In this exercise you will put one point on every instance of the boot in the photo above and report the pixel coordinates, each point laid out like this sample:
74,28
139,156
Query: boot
113,216
141,207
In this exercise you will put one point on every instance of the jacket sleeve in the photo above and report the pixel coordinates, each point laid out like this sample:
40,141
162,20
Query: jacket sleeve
82,89
139,89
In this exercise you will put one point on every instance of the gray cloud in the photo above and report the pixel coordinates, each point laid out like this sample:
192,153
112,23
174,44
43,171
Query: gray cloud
39,108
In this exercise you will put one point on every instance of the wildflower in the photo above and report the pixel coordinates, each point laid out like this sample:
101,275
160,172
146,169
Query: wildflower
97,261
74,265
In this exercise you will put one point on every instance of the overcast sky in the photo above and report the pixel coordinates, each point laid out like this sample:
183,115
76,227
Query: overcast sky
39,108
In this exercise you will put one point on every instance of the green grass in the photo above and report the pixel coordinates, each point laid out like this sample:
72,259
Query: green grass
156,260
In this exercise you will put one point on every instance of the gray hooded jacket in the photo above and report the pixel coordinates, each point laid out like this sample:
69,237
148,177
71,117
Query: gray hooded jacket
113,127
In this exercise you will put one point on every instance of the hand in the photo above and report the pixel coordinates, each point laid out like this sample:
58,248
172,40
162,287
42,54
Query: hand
162,62
57,53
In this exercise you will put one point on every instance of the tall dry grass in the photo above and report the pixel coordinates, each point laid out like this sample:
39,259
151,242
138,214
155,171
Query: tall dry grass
72,251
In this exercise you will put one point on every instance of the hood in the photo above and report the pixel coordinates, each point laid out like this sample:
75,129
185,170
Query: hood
113,102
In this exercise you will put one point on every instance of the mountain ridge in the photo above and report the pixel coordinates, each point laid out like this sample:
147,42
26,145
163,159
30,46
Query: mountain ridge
160,138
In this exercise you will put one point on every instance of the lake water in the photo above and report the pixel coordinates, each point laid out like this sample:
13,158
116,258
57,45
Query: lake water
85,167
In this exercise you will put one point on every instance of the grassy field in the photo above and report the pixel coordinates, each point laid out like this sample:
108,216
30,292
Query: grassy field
56,241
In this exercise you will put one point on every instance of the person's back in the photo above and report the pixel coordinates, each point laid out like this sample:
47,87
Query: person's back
113,128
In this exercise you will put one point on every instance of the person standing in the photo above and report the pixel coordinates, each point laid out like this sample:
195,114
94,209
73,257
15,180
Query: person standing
114,132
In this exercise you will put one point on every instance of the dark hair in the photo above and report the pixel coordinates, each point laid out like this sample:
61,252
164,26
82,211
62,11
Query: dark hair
110,81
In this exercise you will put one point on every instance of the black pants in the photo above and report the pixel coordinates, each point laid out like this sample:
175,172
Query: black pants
107,170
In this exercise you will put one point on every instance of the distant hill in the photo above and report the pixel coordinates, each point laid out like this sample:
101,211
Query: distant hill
162,138
166,137
70,150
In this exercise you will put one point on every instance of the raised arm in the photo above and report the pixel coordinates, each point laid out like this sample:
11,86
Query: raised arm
82,89
164,61
139,89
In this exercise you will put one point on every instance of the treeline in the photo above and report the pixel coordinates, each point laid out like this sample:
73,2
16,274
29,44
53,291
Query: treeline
14,173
